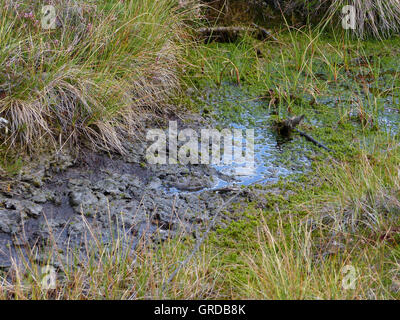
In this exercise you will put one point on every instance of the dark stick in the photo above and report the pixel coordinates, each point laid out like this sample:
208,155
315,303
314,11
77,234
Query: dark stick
230,33
285,127
265,33
311,139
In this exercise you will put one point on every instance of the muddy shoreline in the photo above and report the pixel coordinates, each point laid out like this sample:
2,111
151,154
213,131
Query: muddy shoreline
62,201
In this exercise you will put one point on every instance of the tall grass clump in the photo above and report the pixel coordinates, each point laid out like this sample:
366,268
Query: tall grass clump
95,77
378,18
295,262
368,191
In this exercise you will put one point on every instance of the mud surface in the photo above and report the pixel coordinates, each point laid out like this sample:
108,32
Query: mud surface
63,201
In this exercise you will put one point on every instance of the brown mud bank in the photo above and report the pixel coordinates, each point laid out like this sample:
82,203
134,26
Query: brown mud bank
64,202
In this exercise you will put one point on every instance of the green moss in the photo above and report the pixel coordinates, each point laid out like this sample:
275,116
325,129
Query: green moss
323,81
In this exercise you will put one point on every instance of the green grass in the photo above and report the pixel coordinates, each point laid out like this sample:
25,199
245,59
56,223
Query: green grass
94,78
297,241
111,271
271,253
297,247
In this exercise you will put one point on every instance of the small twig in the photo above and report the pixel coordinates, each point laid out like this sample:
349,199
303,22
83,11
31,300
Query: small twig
285,128
230,33
311,139
265,33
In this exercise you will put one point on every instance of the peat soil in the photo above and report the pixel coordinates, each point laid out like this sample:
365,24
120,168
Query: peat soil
62,201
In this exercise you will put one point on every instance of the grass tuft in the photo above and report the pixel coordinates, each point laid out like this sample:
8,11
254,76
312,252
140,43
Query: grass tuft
106,67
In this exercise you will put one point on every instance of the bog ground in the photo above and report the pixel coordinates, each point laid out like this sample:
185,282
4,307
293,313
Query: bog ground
78,194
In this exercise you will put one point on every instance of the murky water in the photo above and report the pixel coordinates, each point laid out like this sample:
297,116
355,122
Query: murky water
235,107
273,157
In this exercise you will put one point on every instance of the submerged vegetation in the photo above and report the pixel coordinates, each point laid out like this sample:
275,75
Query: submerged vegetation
332,232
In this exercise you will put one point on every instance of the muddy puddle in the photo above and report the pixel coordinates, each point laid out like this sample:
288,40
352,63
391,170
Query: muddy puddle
64,200
274,157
